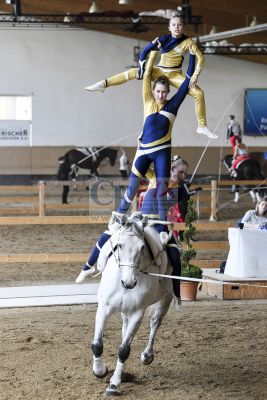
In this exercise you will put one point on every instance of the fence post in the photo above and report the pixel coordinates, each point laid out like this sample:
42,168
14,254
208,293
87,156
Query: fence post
213,205
41,198
134,206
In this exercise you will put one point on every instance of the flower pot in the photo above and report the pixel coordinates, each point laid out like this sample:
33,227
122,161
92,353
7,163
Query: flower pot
189,291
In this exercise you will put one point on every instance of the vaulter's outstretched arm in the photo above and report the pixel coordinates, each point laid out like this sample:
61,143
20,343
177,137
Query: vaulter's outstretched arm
147,93
154,45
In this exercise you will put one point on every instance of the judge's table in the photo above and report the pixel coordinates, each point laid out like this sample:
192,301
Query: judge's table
247,257
246,267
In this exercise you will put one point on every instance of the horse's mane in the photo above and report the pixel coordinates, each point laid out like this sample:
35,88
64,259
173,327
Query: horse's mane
134,226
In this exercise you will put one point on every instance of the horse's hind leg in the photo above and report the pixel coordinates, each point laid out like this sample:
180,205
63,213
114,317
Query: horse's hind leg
258,196
99,367
253,196
160,310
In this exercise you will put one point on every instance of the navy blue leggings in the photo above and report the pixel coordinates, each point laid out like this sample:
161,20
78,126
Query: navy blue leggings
96,250
162,166
174,257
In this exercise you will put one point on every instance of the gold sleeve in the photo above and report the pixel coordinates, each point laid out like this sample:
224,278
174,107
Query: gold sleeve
190,45
147,76
151,176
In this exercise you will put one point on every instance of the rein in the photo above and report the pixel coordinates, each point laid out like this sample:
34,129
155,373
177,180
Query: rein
185,278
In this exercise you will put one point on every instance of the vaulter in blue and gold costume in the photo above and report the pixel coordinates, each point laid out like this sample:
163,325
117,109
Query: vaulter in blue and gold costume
150,210
155,141
172,48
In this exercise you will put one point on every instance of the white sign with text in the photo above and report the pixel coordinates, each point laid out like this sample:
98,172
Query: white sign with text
15,133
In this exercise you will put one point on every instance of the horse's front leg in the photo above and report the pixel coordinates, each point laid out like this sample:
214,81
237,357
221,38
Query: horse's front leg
124,325
100,369
160,310
253,195
131,325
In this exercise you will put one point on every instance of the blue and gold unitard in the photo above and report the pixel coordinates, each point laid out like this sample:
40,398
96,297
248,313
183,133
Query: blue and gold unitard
172,51
155,140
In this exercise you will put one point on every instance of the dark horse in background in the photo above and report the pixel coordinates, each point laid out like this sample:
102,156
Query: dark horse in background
249,169
88,159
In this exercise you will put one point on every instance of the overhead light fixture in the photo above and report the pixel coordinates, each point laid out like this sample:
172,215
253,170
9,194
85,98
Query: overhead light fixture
125,2
254,22
67,18
185,10
136,26
94,8
213,30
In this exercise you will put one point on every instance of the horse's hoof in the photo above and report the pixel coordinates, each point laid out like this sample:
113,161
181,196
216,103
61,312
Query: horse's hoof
147,359
101,375
112,390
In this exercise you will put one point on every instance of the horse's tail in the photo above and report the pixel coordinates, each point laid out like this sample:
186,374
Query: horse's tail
66,157
258,171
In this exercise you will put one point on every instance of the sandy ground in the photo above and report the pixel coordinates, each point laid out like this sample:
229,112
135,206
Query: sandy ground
211,349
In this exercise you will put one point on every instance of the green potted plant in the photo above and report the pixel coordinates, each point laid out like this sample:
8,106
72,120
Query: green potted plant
189,288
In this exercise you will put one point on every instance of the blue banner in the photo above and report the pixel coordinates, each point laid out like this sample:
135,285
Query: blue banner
255,112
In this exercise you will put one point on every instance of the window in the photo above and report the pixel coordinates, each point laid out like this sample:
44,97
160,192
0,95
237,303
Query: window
16,108
15,120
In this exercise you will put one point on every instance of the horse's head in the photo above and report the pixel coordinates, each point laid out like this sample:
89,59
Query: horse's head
130,250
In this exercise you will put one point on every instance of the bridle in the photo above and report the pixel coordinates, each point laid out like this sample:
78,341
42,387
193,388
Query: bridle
132,265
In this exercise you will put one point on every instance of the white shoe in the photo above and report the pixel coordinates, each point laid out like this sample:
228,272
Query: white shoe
204,130
97,87
233,174
164,238
83,274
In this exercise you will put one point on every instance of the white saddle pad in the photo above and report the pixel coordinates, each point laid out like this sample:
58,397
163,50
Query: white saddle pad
108,247
84,150
153,239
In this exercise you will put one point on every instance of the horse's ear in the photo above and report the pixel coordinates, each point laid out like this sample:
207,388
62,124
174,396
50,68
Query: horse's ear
137,216
139,226
145,221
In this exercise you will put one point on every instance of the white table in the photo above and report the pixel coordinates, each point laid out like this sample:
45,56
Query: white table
247,257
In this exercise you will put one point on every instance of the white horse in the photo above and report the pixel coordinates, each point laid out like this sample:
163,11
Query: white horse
126,287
